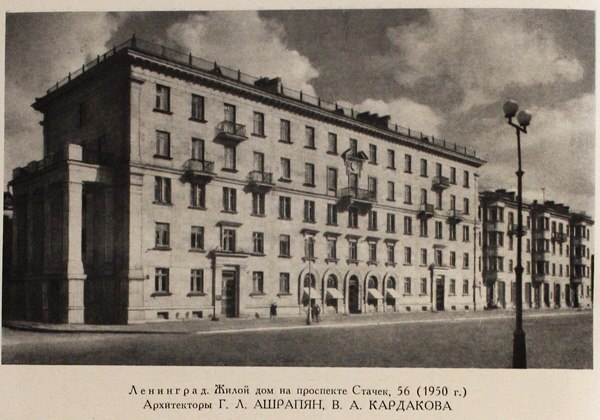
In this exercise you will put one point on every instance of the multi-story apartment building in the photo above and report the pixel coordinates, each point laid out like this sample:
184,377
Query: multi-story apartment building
174,188
553,246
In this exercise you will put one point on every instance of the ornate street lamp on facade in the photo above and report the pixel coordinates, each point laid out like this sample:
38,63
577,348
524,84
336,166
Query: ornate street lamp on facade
519,347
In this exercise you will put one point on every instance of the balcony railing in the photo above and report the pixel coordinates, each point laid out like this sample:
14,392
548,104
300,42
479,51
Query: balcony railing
199,166
455,215
513,229
560,237
358,194
440,183
426,210
231,131
260,178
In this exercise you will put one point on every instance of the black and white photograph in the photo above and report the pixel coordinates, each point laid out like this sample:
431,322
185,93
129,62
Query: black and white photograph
343,188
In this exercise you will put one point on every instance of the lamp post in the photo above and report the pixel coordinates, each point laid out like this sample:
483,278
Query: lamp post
519,347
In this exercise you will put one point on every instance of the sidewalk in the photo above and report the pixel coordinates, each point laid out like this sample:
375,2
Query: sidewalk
252,324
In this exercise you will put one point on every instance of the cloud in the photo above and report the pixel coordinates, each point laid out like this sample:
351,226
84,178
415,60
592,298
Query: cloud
40,50
558,153
404,112
484,52
245,41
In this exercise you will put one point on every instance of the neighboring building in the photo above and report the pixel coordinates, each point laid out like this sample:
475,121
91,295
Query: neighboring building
174,188
7,251
556,253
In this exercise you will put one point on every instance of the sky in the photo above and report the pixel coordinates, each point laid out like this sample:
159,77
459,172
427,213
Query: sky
445,72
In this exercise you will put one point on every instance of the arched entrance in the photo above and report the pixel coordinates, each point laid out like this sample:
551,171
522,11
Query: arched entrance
309,284
391,293
353,295
334,298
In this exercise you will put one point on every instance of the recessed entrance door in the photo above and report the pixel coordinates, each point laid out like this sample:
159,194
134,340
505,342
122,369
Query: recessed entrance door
557,295
229,298
568,294
547,295
502,294
439,294
353,296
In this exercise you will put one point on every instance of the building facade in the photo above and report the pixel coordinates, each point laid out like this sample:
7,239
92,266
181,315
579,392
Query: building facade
557,253
173,188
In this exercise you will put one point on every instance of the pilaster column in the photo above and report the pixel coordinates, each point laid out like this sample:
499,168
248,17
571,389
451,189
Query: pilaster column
135,272
217,289
75,276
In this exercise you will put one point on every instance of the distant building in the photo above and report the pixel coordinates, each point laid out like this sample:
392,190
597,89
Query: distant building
173,188
557,253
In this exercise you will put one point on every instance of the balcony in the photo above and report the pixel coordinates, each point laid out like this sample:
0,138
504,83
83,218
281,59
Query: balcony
230,131
493,250
426,210
513,229
578,260
260,180
559,237
490,276
494,225
440,183
356,196
540,277
455,216
199,170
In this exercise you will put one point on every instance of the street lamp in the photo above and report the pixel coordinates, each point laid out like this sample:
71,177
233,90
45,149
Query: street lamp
519,347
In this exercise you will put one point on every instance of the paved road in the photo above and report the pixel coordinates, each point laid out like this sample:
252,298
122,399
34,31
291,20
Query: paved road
553,342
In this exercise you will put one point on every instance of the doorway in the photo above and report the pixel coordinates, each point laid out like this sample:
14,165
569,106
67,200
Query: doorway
502,294
547,295
439,294
229,298
353,293
557,295
568,294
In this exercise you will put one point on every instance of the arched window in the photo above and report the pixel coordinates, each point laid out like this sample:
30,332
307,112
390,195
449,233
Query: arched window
332,282
309,278
372,283
391,283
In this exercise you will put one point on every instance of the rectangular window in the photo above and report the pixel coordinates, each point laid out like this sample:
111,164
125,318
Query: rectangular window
310,137
407,225
309,174
407,255
353,147
229,158
423,256
197,196
391,223
258,242
163,99
229,199
372,185
284,129
465,287
407,164
197,107
466,205
197,149
259,124
161,280
331,214
197,280
391,191
438,229
452,261
163,144
284,283
258,204
373,154
423,196
332,180
452,202
407,194
229,113
284,245
452,175
332,248
332,143
352,217
161,239
510,266
391,159
452,232
423,286
229,240
466,260
466,179
391,253
439,258
423,228
162,190
372,220
257,282
465,233
352,250
285,168
258,163
197,238
285,207
452,290
309,211
438,200
372,251
407,286
423,167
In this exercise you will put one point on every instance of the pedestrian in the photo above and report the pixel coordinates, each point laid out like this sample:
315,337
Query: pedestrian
317,312
273,310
